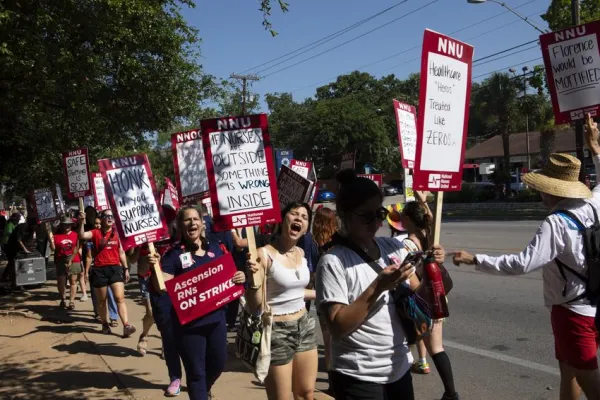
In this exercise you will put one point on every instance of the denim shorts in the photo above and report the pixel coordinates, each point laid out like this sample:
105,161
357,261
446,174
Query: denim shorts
291,337
144,282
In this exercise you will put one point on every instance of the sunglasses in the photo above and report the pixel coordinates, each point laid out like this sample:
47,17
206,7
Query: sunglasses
108,217
378,215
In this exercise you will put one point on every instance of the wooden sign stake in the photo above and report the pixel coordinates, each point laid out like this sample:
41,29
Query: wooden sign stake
81,204
156,269
439,201
255,280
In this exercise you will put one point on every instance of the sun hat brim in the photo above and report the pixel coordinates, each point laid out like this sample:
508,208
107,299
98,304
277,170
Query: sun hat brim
557,187
397,225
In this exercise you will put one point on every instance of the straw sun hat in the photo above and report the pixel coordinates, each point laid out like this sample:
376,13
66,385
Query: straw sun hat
393,218
559,177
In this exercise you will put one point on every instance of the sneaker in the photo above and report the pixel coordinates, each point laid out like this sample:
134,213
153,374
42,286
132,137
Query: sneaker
420,368
128,330
174,388
106,329
454,396
84,298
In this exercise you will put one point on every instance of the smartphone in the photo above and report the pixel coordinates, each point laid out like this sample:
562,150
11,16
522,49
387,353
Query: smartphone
414,257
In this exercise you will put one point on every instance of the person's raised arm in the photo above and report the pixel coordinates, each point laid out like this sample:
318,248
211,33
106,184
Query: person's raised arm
591,137
83,235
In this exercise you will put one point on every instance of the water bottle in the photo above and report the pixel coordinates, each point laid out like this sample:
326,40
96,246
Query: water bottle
439,308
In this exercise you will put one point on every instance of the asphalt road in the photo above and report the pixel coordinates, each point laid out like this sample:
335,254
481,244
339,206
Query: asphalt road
498,335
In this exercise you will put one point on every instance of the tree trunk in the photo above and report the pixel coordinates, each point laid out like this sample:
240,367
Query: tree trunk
546,144
506,166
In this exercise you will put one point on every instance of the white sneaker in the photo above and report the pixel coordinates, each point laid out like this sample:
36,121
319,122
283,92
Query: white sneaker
84,298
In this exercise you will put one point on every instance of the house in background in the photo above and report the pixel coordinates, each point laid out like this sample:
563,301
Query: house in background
491,152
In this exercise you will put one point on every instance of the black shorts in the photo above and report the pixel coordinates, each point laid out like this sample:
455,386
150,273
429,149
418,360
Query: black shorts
105,276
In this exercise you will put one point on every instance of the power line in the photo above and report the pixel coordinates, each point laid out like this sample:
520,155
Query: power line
323,40
419,46
351,40
511,54
505,68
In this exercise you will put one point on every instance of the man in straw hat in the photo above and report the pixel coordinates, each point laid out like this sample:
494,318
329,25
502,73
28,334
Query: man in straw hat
559,239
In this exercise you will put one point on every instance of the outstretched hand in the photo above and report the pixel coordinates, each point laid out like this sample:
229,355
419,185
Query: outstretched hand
462,257
591,134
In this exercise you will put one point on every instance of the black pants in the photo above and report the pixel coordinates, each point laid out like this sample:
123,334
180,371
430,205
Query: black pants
348,388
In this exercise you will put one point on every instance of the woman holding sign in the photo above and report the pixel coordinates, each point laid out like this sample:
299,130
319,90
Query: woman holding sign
65,245
294,359
109,270
202,342
369,355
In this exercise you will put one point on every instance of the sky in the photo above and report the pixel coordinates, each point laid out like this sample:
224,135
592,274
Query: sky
234,40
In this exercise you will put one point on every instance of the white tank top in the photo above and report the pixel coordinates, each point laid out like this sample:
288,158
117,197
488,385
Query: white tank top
285,287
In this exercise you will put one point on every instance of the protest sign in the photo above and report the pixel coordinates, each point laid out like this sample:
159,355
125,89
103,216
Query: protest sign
302,168
348,161
241,174
377,178
292,187
572,61
59,197
190,166
170,192
207,203
77,173
204,289
130,188
43,202
443,113
89,201
409,194
406,121
283,157
100,200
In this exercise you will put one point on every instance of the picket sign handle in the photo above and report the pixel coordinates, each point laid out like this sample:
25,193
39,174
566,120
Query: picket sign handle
437,223
255,280
81,204
156,269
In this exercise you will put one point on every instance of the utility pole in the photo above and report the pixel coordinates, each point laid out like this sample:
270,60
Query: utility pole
576,20
244,79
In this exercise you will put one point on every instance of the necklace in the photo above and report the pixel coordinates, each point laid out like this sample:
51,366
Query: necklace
291,254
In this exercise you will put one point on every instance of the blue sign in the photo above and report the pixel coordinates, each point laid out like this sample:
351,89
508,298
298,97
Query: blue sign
283,157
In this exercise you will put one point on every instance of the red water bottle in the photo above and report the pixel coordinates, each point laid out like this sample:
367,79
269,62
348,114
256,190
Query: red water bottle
436,288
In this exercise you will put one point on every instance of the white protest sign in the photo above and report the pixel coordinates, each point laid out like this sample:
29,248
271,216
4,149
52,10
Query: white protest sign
190,166
406,121
77,174
44,205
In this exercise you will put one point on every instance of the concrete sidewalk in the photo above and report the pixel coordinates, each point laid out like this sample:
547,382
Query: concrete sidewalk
109,365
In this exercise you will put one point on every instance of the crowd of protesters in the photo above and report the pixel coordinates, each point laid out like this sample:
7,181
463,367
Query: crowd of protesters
336,259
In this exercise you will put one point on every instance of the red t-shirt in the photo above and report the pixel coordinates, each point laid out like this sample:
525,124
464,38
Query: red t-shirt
65,244
109,246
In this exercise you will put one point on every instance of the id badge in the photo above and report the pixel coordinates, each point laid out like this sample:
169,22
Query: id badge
186,260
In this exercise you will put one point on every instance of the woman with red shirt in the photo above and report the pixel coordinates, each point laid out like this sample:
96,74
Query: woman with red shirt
109,270
67,259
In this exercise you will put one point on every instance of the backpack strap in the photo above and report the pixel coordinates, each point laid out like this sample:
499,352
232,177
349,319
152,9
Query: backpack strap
562,266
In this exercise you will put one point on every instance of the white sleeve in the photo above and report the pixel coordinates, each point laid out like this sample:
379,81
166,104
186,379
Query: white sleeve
546,245
331,284
596,191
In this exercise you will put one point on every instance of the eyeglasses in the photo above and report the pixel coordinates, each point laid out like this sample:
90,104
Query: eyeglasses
108,216
378,215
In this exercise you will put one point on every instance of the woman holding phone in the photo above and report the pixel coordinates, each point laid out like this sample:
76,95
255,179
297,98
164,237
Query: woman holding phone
370,358
417,219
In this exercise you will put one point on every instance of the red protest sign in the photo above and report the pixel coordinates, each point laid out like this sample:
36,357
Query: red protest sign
43,205
171,198
572,61
204,289
77,173
302,168
445,92
241,171
131,193
377,178
406,121
100,199
190,166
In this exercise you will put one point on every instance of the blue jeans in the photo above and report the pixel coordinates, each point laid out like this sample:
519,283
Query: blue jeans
203,351
112,305
162,311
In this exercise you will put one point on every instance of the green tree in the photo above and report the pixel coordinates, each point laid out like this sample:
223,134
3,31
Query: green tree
498,101
558,16
102,74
